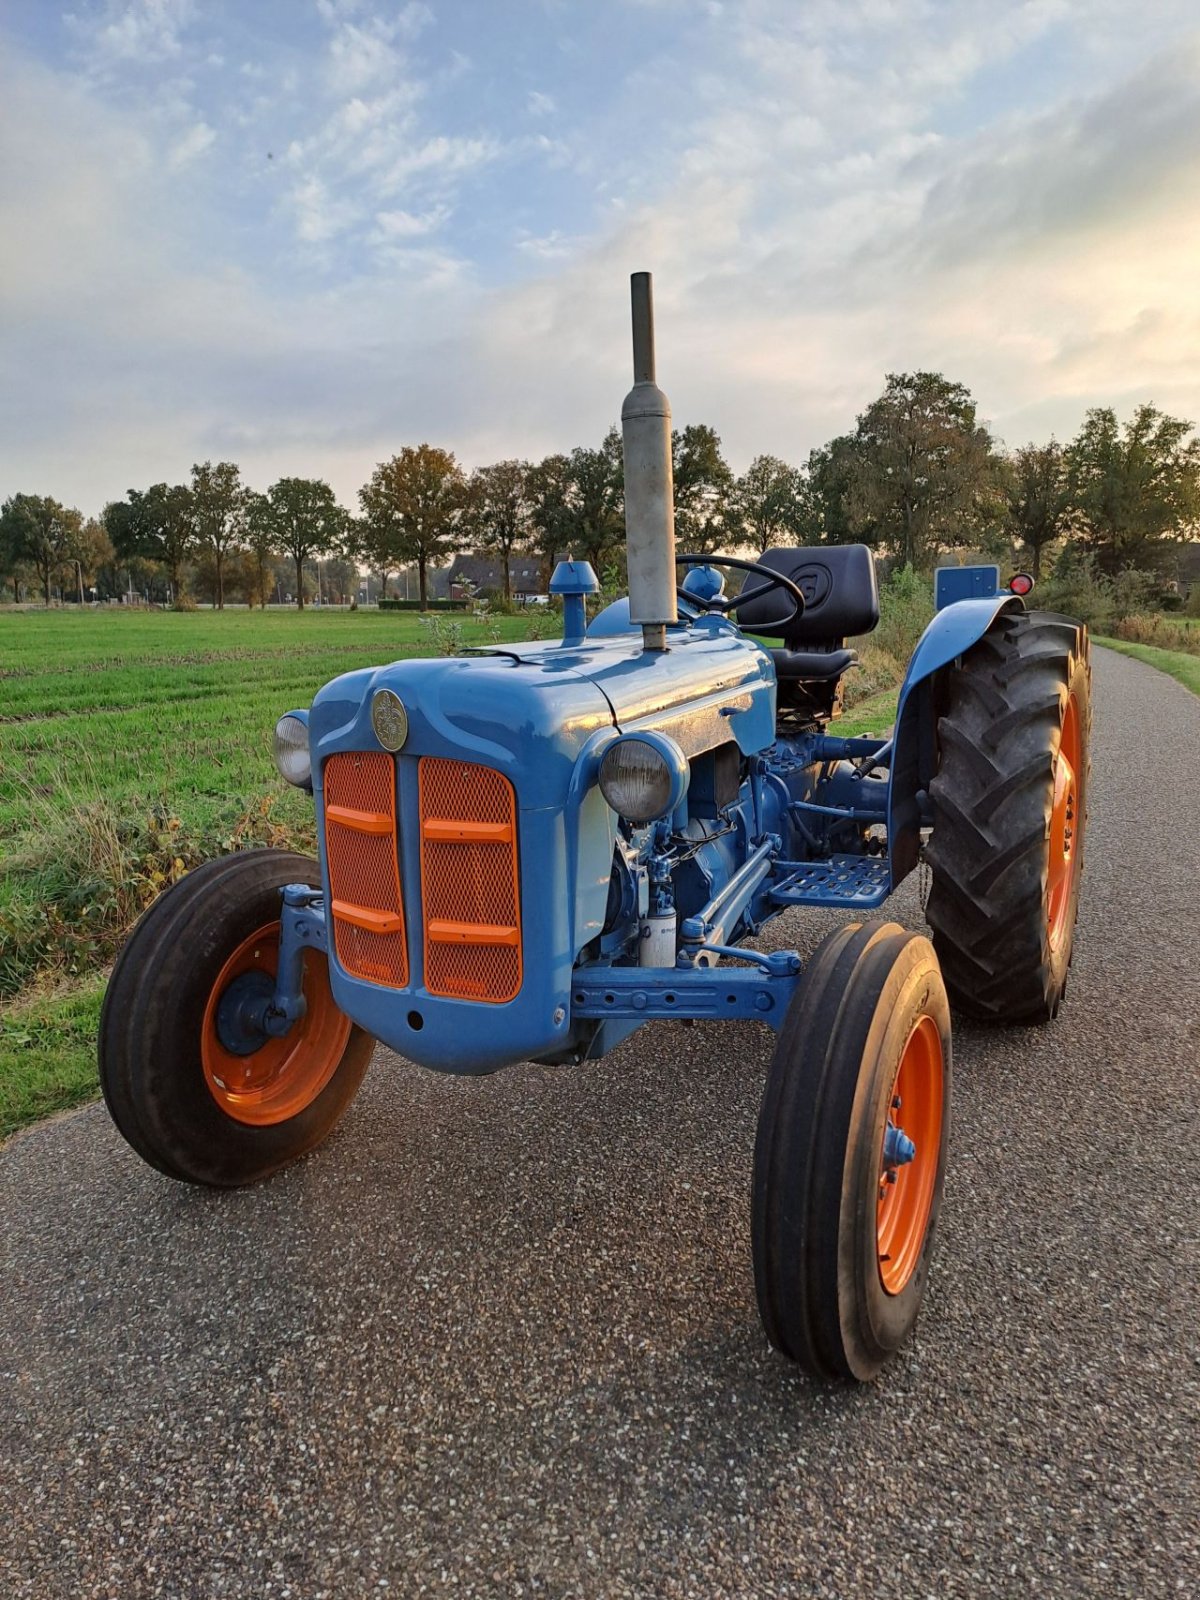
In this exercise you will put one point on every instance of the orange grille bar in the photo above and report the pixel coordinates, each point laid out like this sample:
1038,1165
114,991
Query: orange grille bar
469,882
361,821
470,933
364,872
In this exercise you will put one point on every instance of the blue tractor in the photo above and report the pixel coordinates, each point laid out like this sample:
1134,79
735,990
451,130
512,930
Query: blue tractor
529,852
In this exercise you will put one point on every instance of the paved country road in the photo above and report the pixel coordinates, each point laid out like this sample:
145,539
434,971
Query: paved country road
498,1337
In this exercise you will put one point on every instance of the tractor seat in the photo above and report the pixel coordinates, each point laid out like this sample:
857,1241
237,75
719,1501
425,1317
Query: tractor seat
841,598
811,666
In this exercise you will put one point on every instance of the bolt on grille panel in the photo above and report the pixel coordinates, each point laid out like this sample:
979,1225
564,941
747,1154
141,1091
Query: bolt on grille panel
469,885
361,850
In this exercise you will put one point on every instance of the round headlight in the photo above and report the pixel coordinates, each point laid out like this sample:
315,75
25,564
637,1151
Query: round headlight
389,719
643,776
291,749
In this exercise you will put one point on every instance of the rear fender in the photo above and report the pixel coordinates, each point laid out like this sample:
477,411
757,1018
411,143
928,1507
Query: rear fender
914,755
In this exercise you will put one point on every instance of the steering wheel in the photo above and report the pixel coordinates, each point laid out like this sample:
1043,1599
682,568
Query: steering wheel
723,605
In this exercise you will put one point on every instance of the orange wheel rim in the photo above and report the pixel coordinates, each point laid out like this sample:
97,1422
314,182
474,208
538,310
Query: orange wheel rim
1064,827
283,1076
906,1191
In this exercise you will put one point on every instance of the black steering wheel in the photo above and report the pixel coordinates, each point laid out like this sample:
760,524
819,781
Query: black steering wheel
724,604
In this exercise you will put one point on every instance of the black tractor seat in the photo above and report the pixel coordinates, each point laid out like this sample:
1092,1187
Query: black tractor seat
811,666
841,600
841,597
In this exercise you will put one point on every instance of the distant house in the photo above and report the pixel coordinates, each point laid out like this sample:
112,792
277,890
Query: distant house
480,575
1187,567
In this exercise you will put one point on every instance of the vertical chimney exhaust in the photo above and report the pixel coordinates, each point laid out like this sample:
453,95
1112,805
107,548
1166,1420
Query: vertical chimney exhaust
649,492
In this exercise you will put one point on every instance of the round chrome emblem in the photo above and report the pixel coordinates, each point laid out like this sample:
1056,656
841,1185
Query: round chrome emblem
389,719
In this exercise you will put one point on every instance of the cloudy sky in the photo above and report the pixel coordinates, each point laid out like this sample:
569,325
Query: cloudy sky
302,233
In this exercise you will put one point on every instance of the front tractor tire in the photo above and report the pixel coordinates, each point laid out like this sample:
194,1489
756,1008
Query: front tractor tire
189,1104
850,1156
1009,815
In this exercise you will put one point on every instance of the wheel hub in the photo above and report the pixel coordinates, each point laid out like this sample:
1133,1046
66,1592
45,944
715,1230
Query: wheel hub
898,1148
909,1157
240,1012
256,1075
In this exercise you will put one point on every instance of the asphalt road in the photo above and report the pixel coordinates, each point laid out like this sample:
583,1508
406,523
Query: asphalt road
498,1337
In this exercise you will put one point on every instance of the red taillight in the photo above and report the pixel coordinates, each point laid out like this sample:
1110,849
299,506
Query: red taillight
1020,583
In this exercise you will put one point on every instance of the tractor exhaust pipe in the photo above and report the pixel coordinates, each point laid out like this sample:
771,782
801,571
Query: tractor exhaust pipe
649,493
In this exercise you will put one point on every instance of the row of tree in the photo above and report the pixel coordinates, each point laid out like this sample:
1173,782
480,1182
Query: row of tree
919,475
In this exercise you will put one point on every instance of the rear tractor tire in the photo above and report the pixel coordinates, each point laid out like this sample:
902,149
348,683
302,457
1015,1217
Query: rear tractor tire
187,1103
1009,817
850,1157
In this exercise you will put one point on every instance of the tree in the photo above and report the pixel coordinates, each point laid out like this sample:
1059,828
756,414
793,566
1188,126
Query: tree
1134,491
157,524
1038,498
550,487
703,484
770,503
218,515
39,530
496,512
357,543
261,545
300,517
93,551
12,559
830,470
923,472
597,499
411,508
341,579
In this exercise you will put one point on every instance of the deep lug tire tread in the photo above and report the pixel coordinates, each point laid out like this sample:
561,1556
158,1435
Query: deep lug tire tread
991,800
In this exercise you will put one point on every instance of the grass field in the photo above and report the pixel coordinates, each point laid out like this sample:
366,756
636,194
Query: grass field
178,708
133,746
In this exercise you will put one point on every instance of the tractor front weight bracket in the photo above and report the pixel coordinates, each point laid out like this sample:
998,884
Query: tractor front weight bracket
636,994
301,928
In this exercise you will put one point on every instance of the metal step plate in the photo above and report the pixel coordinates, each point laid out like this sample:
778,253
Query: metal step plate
858,881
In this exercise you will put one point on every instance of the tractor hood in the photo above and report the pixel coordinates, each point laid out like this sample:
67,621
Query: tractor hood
712,683
536,704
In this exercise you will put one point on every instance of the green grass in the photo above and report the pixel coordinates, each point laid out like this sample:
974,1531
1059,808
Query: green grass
48,1054
174,708
1179,663
873,715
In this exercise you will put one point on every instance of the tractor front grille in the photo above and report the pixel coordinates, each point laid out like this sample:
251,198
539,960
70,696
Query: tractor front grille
364,872
469,885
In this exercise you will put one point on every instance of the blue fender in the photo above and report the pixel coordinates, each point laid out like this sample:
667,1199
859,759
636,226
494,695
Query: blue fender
914,755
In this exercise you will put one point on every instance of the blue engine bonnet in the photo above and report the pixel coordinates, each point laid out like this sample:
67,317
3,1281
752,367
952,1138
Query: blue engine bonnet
542,714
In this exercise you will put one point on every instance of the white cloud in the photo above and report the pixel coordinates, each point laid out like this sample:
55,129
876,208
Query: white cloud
553,246
406,225
146,31
441,154
320,216
359,58
195,142
539,104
